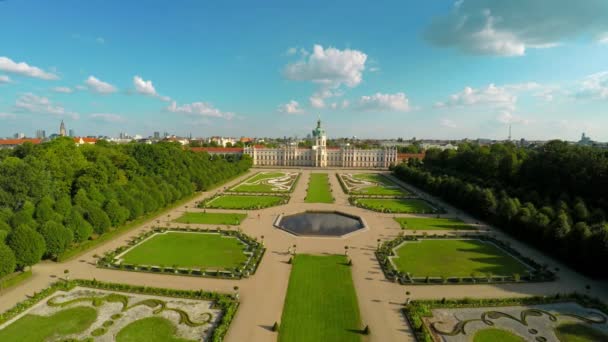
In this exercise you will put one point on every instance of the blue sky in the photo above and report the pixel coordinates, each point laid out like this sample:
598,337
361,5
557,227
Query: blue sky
426,69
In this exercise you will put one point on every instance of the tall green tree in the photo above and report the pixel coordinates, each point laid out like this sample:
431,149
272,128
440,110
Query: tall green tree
27,244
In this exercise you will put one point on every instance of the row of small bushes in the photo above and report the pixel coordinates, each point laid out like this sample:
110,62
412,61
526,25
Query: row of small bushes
416,311
539,273
226,303
254,247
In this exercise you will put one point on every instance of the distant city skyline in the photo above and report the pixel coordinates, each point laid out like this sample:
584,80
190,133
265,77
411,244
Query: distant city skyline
388,69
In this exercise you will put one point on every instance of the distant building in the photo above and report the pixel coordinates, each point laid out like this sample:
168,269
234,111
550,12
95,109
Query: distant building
71,133
12,143
156,135
322,156
19,135
40,134
84,141
585,141
62,131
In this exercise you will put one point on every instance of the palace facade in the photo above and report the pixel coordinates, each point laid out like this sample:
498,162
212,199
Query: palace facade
322,156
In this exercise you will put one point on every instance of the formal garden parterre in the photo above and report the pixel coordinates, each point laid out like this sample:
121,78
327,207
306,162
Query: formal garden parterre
268,182
244,202
432,223
370,184
228,219
188,251
572,317
89,310
444,259
396,205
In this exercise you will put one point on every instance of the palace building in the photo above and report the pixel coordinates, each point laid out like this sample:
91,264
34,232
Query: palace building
322,156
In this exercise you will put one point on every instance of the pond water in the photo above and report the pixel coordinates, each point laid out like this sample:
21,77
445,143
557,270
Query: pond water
320,223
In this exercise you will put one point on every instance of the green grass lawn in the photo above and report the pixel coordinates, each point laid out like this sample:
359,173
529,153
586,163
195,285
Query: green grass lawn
151,329
396,205
321,303
455,258
260,183
34,328
424,223
577,332
212,218
497,335
382,186
319,190
189,250
243,202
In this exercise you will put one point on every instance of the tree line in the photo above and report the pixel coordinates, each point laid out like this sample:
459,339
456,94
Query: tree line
56,194
552,196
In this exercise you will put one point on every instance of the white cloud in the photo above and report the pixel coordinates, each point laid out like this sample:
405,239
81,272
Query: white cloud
509,28
384,102
329,67
147,88
491,96
144,87
23,69
4,79
98,86
317,101
7,116
447,123
64,90
106,117
41,105
100,40
594,86
603,38
507,117
292,107
201,109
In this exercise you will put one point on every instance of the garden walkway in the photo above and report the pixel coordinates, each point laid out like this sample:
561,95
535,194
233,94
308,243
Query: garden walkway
263,294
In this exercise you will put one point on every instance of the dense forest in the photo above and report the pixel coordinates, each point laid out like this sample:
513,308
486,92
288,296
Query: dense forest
56,194
553,196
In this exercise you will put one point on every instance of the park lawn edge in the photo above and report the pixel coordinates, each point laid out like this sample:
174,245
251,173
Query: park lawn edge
416,311
385,251
85,246
253,262
404,226
240,216
14,279
226,302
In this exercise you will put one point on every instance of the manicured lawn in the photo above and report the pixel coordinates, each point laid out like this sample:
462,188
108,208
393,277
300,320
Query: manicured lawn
243,202
578,332
40,328
423,223
319,190
396,205
189,250
212,218
152,329
321,303
494,335
268,182
455,258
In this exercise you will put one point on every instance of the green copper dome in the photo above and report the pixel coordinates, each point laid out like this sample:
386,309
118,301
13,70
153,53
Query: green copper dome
319,131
